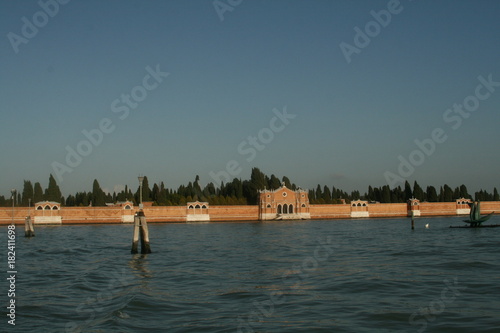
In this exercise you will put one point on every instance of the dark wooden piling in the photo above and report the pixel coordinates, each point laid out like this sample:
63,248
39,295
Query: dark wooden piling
29,230
140,230
412,221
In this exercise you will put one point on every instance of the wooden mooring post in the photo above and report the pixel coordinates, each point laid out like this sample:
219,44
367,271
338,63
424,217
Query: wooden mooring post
412,220
29,230
140,230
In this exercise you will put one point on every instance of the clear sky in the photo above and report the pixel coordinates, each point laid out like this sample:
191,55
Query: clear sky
353,103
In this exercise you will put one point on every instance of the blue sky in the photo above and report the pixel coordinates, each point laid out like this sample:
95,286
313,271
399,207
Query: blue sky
353,120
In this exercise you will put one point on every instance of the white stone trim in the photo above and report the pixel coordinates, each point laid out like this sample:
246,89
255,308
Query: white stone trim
48,220
128,218
198,218
357,214
415,212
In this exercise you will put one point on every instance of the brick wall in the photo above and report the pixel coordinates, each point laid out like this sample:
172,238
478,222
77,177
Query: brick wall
330,211
234,213
231,213
438,208
388,210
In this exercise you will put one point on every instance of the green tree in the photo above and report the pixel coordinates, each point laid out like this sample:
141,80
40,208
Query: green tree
394,197
319,193
82,199
258,179
28,193
287,182
197,187
121,196
399,194
251,188
71,201
386,194
312,196
327,195
98,195
432,194
146,191
463,192
162,195
210,190
418,193
496,197
408,191
371,194
355,195
377,194
155,193
447,193
274,183
53,193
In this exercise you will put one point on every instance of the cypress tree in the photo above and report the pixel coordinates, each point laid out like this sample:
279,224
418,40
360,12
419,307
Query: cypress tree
386,194
258,179
447,193
146,191
441,194
52,193
274,183
371,195
394,197
197,187
327,195
418,193
432,194
312,196
28,193
287,182
319,193
70,201
155,193
98,195
162,195
211,191
463,192
408,191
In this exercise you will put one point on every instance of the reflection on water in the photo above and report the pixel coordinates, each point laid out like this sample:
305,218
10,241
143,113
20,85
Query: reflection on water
260,277
139,266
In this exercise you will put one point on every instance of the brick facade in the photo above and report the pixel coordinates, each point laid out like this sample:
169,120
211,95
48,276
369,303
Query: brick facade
283,204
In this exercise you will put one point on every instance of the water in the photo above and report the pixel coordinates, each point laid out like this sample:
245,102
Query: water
374,276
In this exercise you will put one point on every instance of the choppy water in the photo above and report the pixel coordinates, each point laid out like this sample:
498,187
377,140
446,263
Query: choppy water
374,276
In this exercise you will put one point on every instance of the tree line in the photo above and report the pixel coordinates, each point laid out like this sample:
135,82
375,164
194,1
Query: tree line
236,192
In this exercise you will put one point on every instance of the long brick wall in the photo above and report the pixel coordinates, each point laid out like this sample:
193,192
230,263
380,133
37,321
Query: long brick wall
82,215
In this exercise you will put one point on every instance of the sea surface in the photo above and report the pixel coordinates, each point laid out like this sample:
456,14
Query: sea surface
367,275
